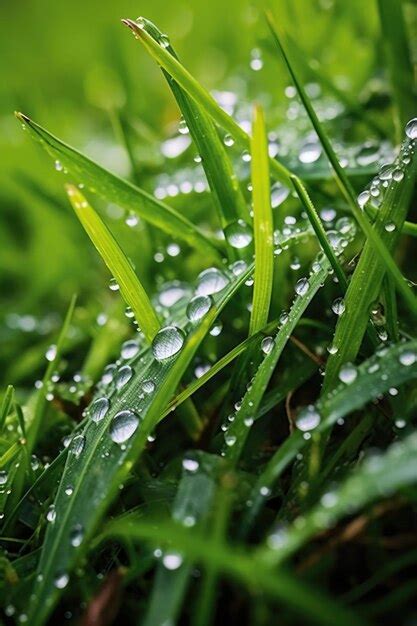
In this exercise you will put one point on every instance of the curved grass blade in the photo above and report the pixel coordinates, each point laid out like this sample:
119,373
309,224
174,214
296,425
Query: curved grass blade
174,68
373,236
131,288
97,464
378,477
236,564
222,180
263,225
391,367
119,191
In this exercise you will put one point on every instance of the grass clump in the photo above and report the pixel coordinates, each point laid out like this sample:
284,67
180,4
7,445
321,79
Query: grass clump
235,430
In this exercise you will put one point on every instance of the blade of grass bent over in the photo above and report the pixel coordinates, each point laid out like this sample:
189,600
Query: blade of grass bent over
221,177
344,184
121,192
262,224
131,288
201,95
96,466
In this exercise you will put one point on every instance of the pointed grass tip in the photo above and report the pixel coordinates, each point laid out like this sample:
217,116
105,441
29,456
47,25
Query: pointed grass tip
130,24
21,117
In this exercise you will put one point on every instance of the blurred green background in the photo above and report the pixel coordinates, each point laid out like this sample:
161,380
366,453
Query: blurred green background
76,70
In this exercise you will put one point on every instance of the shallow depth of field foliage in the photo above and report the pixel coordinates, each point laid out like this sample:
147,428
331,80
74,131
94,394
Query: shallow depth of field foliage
208,275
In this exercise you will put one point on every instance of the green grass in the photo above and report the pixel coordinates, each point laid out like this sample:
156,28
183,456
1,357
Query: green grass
228,433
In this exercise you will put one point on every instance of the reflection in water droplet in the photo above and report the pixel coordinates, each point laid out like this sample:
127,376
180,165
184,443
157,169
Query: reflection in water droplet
123,425
167,342
123,376
211,281
198,307
99,409
308,418
238,234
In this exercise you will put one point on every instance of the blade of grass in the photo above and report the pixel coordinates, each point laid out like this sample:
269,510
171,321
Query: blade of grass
200,95
131,288
93,475
6,405
239,428
191,506
398,365
373,236
318,228
262,224
119,191
222,179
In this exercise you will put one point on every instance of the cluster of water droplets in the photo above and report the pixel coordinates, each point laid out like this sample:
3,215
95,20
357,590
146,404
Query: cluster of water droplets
390,174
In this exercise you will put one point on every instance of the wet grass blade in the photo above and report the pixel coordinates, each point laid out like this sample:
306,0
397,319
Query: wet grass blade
222,180
236,564
131,288
398,365
263,225
400,68
380,475
372,234
121,192
238,430
366,282
191,507
96,465
187,82
6,405
318,228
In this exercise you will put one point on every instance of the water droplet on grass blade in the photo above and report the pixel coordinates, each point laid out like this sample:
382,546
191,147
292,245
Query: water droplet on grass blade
308,418
301,286
238,234
99,409
129,349
198,307
411,128
123,425
348,373
211,281
123,376
267,344
407,358
61,580
167,342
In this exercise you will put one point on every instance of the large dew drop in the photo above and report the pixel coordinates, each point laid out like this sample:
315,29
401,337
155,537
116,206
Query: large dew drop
99,409
130,349
308,418
411,129
198,307
123,426
167,342
211,281
238,234
123,376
